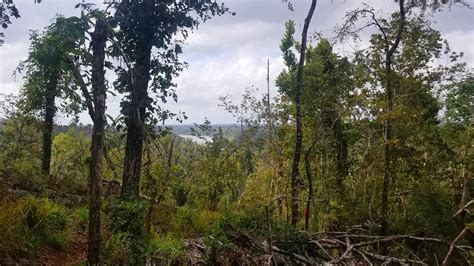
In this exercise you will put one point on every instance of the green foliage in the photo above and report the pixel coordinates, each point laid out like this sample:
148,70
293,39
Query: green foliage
460,103
20,143
81,217
217,240
142,30
30,223
189,186
287,43
167,246
118,249
429,210
129,240
47,68
70,161
189,221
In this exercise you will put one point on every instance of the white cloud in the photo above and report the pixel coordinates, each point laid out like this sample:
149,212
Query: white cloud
462,41
229,53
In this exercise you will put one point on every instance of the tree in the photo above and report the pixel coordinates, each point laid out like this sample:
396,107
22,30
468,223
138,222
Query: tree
398,62
459,119
295,172
145,26
96,105
98,41
389,46
48,76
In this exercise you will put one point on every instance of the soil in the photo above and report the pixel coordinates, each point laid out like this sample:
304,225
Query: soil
74,254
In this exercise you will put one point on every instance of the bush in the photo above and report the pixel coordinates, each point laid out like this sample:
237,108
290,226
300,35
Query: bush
189,222
82,217
69,163
30,223
118,249
129,241
217,241
20,156
168,247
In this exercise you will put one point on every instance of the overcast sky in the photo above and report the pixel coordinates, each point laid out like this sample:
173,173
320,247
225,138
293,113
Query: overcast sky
229,53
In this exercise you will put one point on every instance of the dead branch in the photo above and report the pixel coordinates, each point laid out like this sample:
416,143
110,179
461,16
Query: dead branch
453,245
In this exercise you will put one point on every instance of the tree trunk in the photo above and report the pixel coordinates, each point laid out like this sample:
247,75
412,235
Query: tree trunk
99,39
309,176
295,171
136,116
135,126
387,152
49,113
387,178
341,157
466,193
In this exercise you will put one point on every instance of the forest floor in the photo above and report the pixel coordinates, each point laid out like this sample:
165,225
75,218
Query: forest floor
74,254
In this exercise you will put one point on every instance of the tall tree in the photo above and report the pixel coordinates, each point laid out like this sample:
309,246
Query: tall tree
48,77
145,26
326,86
295,170
98,41
389,50
96,106
390,46
460,121
399,63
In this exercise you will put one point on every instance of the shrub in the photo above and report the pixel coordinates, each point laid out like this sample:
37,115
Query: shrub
69,163
189,222
30,223
82,217
47,222
168,247
129,241
217,241
117,249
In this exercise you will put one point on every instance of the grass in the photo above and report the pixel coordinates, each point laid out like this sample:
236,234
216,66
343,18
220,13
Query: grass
30,223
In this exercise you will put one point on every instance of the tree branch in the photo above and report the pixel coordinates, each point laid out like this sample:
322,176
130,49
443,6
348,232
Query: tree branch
85,92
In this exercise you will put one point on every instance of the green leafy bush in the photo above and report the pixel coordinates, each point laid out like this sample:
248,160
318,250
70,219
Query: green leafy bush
217,240
20,152
118,249
169,247
30,223
129,242
82,217
189,222
69,163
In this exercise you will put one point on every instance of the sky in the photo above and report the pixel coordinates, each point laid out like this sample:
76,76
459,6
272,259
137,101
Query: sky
229,53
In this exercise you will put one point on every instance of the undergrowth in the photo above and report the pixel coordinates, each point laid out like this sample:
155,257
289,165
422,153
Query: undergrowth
30,223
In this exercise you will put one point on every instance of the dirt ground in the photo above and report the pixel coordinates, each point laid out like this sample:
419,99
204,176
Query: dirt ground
74,254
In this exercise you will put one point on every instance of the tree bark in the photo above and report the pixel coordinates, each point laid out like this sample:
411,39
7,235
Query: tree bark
295,171
99,39
466,193
341,157
136,117
49,113
309,176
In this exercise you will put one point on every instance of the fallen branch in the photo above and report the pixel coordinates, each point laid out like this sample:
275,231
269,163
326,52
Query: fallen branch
452,246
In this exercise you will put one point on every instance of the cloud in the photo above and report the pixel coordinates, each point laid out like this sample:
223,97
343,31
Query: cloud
229,53
462,41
